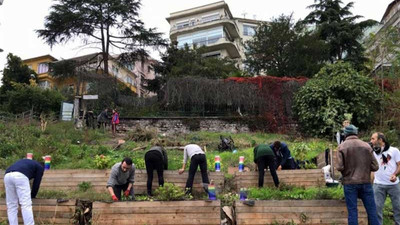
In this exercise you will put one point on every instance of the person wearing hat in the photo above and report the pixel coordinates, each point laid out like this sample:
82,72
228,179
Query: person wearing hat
356,162
386,181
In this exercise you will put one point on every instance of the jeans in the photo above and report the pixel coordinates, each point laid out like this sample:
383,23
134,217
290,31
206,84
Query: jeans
381,191
366,194
120,188
263,162
198,160
18,190
154,161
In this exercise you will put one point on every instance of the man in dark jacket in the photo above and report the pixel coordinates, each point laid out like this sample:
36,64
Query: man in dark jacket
284,159
156,159
16,182
264,157
355,162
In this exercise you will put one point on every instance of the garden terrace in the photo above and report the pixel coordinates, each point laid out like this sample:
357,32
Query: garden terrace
157,212
300,178
45,211
69,180
296,212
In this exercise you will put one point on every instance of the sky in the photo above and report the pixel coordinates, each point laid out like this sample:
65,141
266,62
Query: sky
20,18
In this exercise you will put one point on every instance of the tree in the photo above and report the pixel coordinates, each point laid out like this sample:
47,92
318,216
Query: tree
15,72
110,24
337,89
285,48
337,26
183,62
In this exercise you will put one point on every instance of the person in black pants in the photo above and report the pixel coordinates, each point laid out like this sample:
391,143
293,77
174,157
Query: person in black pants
264,157
197,159
156,159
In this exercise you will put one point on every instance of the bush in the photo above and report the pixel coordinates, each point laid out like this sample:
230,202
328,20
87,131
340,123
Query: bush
337,89
101,161
170,192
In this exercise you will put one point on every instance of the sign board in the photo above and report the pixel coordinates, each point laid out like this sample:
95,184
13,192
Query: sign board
90,97
66,111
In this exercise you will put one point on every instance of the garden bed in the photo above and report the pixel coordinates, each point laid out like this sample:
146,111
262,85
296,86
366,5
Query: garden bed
300,178
157,212
296,212
45,211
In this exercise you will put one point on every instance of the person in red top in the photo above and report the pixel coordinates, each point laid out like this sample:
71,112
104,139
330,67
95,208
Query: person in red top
114,121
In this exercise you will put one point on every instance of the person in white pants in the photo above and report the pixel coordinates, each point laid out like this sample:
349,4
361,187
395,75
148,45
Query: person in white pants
16,182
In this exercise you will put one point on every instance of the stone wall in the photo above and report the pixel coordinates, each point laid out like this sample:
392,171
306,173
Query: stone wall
179,125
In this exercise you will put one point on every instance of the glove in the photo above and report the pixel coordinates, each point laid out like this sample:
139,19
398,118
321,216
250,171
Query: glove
114,198
127,192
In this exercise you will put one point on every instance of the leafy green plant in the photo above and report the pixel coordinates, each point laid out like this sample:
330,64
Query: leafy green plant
101,161
170,192
337,89
84,186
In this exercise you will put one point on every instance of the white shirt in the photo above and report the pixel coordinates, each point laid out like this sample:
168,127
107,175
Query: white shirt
191,150
382,176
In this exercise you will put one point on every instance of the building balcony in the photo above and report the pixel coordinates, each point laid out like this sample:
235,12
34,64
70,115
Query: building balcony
217,44
199,25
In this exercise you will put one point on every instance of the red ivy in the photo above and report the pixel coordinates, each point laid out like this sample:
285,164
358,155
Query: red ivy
277,93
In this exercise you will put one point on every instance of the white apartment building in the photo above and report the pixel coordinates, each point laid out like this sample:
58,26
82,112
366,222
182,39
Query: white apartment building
213,26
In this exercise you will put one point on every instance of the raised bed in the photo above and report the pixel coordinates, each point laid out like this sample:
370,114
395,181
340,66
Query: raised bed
297,211
45,211
300,178
157,212
68,180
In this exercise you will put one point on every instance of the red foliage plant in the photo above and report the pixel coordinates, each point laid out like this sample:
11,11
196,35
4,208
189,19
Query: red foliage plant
277,94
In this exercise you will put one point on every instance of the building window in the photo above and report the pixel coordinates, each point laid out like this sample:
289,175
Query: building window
129,80
182,24
209,18
43,68
44,84
249,30
201,38
115,70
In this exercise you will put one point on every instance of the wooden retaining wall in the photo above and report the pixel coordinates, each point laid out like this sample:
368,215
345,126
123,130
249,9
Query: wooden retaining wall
298,211
149,213
301,178
45,211
69,179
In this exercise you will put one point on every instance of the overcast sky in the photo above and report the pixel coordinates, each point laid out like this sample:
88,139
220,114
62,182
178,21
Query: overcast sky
19,19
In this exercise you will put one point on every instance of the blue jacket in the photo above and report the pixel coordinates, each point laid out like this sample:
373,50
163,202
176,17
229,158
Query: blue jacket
283,154
32,170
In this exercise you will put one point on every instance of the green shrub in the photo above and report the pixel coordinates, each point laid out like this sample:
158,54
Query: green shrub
101,161
320,105
85,186
170,192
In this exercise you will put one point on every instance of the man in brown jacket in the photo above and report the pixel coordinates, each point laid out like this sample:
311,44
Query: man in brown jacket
355,162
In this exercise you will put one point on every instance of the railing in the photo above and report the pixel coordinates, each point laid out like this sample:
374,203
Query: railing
199,22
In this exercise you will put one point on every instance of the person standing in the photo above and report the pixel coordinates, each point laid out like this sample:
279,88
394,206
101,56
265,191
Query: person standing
340,135
121,179
156,159
264,158
16,182
114,121
386,181
355,162
197,159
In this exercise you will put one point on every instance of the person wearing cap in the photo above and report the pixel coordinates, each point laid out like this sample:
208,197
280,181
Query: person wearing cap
18,190
156,159
355,162
386,181
264,158
122,177
197,159
284,159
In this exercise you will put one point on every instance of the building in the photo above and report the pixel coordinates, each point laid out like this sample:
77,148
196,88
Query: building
391,18
40,65
145,71
213,26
